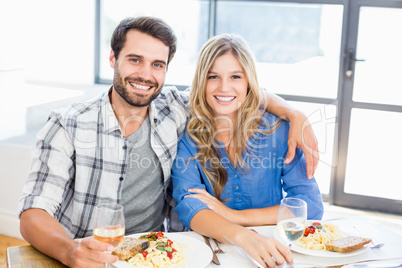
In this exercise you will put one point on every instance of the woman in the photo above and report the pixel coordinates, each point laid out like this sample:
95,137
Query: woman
229,171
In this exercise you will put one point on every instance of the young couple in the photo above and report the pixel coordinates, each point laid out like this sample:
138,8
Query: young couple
85,153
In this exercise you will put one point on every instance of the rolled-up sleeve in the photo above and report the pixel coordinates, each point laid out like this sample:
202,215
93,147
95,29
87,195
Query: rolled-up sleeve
52,168
186,175
296,184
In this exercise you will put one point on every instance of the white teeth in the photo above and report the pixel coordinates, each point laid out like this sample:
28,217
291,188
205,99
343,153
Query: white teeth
140,86
224,98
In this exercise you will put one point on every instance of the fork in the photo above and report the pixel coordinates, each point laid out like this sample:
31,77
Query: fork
218,250
379,245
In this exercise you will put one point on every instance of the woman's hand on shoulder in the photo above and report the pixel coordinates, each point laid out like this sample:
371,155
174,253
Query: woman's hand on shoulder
267,251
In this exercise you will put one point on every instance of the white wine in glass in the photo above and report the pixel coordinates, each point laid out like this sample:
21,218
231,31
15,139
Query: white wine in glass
108,224
292,216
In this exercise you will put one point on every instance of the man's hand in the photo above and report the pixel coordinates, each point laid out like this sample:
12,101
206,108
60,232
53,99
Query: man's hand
47,235
301,135
91,253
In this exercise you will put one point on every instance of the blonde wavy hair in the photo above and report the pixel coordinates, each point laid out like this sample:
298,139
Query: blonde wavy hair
201,124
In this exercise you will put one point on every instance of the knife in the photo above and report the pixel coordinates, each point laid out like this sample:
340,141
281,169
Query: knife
377,265
242,251
285,265
214,257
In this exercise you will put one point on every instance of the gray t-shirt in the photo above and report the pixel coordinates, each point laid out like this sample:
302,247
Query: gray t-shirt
143,196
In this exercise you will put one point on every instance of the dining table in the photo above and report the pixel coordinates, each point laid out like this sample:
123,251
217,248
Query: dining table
389,255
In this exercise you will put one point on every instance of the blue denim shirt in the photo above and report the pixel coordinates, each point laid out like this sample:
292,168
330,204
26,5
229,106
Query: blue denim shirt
263,184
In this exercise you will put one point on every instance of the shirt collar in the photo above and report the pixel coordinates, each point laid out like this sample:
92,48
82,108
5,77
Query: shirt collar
109,117
153,116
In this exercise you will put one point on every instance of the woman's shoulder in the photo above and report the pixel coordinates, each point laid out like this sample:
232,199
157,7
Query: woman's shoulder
186,142
270,120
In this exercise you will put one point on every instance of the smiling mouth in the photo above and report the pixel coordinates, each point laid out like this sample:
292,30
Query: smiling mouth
141,87
224,99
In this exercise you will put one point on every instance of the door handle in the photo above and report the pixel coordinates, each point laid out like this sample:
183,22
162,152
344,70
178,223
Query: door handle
350,62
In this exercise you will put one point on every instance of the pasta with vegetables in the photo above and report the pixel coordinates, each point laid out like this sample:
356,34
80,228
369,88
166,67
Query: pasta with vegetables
161,253
318,235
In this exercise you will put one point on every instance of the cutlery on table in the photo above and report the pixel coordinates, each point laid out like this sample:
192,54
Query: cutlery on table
376,266
242,251
379,245
285,265
214,257
218,250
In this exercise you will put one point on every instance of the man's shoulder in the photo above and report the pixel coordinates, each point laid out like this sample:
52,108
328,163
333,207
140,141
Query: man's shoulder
81,109
170,94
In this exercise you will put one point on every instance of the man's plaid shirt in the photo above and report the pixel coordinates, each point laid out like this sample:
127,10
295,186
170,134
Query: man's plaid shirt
81,157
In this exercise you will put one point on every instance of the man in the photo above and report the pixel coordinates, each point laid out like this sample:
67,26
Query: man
119,147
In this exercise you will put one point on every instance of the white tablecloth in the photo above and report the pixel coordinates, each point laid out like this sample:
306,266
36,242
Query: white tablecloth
378,232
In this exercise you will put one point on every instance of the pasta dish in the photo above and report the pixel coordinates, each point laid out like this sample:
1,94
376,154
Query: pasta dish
317,235
161,253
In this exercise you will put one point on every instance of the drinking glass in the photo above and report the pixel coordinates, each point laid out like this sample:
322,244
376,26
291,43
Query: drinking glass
109,224
292,218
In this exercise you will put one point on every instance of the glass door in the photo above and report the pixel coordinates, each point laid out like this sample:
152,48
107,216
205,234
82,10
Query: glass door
339,61
370,133
297,47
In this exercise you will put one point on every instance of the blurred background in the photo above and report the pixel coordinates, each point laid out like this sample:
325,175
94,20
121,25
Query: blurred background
339,61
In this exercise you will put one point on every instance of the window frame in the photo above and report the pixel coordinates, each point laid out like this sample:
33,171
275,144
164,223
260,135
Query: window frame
343,102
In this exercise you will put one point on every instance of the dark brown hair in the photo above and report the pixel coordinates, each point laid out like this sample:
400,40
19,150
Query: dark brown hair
152,26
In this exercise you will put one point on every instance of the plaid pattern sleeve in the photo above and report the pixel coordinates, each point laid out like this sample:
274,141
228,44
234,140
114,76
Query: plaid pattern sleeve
78,162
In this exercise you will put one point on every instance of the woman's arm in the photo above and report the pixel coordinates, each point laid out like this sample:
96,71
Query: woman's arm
260,248
301,134
245,217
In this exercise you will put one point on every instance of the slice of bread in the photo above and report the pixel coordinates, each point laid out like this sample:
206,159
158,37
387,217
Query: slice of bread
347,243
129,247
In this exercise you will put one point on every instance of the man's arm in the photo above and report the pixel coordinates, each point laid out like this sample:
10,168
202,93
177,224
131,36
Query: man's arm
51,164
46,234
301,134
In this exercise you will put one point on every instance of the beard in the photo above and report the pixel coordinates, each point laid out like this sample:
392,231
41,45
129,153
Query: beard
134,99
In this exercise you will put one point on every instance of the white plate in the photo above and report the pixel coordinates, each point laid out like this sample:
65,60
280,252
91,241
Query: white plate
197,253
321,253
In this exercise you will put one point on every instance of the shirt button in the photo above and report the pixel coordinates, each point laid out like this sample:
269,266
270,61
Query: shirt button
236,175
121,179
237,187
238,197
124,147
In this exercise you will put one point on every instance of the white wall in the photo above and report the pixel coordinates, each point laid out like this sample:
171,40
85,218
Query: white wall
15,163
61,41
53,41
46,42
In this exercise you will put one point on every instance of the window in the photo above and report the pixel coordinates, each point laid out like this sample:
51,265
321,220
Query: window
330,58
190,28
296,45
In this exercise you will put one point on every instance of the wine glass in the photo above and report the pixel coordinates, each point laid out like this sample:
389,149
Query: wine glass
292,216
109,224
